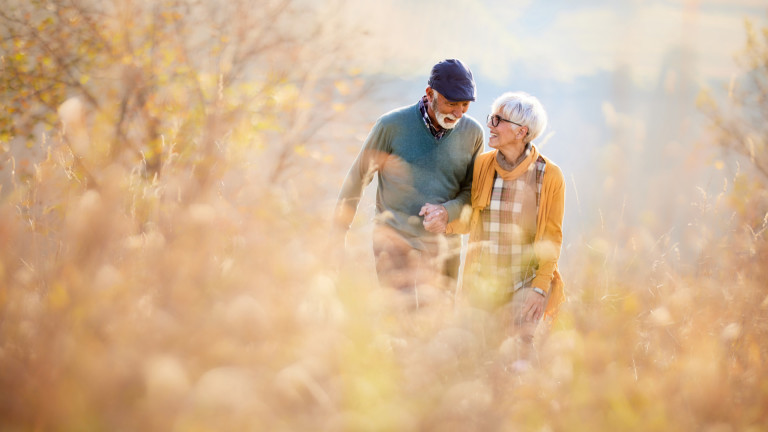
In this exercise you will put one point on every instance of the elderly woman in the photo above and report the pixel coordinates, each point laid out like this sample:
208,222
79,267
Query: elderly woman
515,226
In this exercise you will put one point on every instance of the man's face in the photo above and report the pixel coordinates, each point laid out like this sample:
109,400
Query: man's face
446,113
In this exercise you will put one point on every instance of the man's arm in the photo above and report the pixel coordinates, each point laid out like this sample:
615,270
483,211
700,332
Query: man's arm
437,216
455,206
366,164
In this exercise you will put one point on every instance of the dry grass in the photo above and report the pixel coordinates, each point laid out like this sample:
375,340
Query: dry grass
166,305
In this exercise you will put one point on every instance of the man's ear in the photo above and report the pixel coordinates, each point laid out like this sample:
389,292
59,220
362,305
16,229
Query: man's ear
430,93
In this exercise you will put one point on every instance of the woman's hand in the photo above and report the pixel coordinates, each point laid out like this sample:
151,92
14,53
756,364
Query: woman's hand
435,217
533,307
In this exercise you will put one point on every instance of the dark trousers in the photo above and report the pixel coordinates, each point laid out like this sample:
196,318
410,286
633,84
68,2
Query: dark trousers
401,266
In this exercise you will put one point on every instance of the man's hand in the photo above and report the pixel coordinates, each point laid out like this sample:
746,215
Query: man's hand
435,217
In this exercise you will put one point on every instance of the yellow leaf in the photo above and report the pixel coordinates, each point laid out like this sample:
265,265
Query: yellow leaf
300,150
342,87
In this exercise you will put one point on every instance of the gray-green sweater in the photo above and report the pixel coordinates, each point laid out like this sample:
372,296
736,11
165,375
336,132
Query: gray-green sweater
414,169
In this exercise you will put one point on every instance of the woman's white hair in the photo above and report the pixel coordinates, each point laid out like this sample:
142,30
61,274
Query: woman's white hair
520,107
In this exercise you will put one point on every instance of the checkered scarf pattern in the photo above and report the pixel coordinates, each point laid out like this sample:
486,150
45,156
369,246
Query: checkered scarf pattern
507,252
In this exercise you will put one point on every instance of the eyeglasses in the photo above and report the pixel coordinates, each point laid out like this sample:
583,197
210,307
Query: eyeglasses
495,119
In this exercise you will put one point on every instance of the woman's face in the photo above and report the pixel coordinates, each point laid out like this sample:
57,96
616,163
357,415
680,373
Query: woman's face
505,134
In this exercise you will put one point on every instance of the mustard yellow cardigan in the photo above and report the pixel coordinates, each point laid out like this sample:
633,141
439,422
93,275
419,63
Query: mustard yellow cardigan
549,221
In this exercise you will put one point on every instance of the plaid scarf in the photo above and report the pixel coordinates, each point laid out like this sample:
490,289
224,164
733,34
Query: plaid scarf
437,132
509,227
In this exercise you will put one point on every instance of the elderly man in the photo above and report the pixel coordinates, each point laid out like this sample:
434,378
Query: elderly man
423,155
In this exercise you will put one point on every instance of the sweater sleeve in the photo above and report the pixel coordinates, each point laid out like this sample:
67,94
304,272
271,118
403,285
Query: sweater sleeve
549,238
368,161
461,205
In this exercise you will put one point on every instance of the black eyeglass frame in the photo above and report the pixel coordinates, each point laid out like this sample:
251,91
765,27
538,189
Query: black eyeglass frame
495,118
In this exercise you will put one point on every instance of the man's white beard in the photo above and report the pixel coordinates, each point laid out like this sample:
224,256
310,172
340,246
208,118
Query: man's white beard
440,116
441,120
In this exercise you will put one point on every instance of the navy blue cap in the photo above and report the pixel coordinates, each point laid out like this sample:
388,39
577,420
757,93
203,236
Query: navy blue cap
453,79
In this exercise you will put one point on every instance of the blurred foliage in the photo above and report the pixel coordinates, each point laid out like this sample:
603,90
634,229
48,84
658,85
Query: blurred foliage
184,79
737,259
741,124
153,278
740,129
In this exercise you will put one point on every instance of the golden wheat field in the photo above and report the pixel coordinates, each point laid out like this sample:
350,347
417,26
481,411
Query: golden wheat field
166,263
